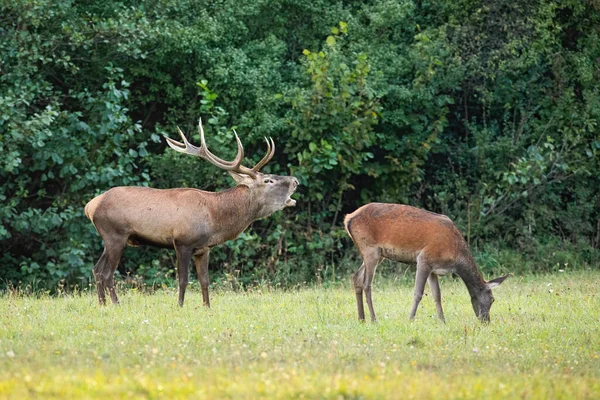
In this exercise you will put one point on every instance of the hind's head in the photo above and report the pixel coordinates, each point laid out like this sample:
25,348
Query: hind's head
483,300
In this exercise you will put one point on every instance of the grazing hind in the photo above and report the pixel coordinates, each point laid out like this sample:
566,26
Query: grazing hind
410,235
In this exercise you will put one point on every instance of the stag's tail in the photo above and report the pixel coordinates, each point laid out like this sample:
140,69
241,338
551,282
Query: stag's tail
91,206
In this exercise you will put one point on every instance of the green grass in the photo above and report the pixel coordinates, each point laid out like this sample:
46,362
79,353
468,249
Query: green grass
543,342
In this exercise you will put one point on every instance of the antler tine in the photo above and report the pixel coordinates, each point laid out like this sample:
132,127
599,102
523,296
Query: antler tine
239,166
272,148
235,165
185,147
267,157
216,160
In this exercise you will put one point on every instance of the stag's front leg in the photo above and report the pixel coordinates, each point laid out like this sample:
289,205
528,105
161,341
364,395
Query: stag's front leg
184,255
201,262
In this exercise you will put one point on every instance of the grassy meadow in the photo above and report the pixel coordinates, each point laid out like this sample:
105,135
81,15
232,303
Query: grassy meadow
543,342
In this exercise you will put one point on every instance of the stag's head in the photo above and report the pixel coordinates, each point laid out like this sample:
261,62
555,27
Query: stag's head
270,192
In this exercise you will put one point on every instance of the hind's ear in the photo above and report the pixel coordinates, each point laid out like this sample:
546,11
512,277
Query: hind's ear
496,282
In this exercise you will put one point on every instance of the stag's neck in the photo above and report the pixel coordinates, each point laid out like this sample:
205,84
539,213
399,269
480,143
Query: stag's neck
470,275
237,203
236,211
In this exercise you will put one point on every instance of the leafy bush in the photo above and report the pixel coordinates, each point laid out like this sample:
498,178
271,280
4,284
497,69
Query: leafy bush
485,112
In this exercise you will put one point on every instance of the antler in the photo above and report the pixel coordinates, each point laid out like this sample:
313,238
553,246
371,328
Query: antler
267,157
203,152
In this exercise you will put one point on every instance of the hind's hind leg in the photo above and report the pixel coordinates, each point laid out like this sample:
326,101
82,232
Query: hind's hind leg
363,280
357,282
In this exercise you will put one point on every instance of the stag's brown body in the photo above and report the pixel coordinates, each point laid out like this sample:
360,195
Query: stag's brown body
414,236
163,217
191,221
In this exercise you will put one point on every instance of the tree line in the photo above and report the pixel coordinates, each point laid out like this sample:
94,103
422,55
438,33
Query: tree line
484,111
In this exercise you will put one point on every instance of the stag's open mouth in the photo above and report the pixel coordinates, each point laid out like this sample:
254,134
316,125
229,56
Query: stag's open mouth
290,202
293,186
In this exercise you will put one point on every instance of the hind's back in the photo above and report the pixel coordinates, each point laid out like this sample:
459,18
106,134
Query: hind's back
402,232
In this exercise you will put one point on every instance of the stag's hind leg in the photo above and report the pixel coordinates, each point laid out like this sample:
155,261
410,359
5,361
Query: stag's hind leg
104,270
184,255
114,257
98,269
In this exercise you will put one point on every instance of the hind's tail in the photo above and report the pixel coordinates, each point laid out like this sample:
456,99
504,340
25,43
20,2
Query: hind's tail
348,224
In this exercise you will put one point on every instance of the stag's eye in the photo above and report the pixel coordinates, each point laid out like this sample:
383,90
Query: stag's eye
267,180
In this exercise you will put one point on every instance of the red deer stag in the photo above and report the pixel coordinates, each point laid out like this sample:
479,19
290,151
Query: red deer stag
414,236
191,221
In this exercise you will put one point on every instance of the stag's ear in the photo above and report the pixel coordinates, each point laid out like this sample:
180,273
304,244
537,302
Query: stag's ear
496,282
241,179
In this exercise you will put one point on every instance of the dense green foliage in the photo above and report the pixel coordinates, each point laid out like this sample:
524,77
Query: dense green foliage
485,111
